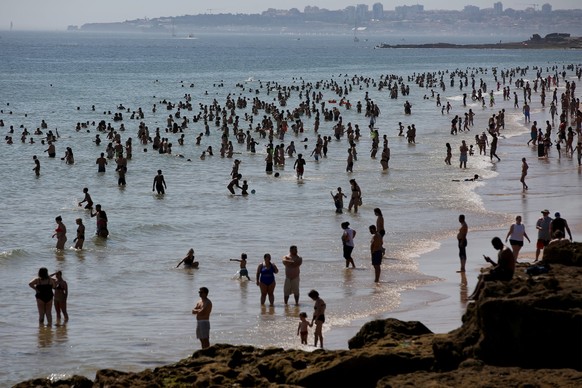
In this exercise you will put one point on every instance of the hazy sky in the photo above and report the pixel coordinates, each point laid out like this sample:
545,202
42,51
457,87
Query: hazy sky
58,14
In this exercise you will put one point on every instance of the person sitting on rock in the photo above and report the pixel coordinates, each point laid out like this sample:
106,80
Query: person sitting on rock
502,270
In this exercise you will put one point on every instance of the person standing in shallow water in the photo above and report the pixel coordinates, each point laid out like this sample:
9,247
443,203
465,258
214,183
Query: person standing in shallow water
43,285
462,242
202,311
60,233
36,168
299,166
80,238
102,220
266,279
318,317
159,183
348,243
338,200
463,157
292,262
376,248
60,298
356,198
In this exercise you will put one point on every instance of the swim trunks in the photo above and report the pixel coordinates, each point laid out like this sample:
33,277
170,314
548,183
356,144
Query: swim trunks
291,286
377,258
203,329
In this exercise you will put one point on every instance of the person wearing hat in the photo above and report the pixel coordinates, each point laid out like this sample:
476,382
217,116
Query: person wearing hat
560,224
544,234
348,243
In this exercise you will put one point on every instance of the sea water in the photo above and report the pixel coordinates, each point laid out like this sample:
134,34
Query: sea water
130,307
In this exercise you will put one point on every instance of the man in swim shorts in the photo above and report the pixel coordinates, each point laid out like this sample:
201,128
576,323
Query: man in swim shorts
292,262
202,311
376,245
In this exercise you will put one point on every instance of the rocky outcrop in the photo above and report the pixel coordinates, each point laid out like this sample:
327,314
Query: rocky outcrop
525,332
530,322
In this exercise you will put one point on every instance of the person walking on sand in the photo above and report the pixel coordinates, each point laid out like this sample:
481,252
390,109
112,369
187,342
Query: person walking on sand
43,285
462,241
202,311
524,168
60,297
543,226
515,235
376,250
348,243
80,238
243,266
318,317
159,183
292,263
60,233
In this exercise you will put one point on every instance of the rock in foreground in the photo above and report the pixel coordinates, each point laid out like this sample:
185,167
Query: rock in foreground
530,322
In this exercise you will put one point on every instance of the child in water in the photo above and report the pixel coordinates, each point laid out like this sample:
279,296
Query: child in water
303,328
243,266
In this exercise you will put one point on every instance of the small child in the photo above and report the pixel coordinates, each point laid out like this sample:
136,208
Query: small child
471,151
243,266
245,188
302,329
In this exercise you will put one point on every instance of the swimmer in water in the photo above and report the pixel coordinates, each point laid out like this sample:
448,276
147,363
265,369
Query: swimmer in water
189,260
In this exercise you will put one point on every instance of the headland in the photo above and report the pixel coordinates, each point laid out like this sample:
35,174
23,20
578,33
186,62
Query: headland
536,42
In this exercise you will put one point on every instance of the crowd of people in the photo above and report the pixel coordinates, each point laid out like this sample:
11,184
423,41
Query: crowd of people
273,128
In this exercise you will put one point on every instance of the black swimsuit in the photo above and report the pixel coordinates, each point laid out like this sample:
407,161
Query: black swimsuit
44,292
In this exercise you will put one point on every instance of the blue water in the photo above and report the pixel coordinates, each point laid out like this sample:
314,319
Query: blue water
129,306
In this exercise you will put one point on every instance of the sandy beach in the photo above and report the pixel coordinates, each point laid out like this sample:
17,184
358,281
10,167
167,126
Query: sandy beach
553,184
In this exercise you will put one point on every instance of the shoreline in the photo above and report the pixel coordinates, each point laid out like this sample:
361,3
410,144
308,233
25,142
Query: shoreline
441,304
442,313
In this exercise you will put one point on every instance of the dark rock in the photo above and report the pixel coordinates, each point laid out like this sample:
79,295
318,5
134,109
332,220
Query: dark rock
393,328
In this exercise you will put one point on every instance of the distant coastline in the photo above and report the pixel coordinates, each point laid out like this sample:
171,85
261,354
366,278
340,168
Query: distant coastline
536,42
